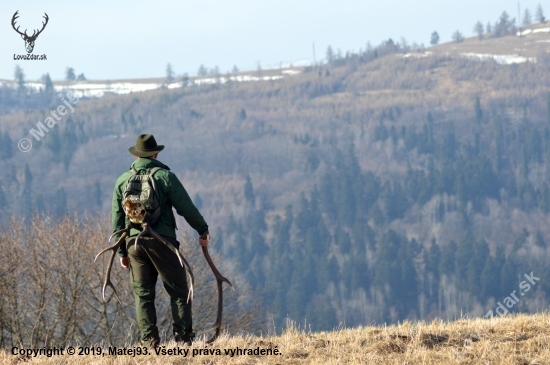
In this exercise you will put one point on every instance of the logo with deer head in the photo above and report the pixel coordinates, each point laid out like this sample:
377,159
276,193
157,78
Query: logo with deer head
29,40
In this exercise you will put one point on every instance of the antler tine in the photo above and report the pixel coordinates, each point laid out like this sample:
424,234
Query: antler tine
117,232
43,26
219,280
13,19
183,262
114,248
108,281
145,227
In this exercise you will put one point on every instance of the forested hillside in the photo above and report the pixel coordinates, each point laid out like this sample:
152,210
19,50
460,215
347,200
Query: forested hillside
372,188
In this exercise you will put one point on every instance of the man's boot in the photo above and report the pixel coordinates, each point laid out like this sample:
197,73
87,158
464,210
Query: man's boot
151,342
184,337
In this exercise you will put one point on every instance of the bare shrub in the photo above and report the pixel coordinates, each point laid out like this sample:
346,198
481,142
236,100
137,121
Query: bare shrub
50,288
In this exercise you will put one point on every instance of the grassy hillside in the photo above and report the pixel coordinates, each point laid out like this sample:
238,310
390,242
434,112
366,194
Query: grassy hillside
532,43
521,339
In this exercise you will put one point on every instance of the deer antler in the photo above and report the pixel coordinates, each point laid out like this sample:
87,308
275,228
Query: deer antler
183,261
219,280
146,229
115,247
33,36
13,19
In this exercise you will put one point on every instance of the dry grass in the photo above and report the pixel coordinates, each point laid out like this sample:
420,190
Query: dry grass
521,339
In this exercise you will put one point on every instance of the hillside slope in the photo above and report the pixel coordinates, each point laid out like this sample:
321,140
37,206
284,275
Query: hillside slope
377,187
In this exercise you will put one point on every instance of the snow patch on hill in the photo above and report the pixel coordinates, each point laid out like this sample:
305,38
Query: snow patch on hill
98,89
500,59
529,31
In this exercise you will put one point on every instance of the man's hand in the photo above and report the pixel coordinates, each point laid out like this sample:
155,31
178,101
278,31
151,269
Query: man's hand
125,262
203,239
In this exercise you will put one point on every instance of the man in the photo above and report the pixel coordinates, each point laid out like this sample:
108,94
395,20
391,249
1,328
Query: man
150,257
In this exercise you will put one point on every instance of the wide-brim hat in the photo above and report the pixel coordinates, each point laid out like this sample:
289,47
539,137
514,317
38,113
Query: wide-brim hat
146,146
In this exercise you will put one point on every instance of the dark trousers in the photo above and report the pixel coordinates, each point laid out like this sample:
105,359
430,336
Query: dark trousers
150,259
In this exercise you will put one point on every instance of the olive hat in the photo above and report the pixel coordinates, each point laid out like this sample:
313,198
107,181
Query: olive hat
146,146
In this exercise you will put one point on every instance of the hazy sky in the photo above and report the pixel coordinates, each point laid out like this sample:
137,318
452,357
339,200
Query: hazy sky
133,39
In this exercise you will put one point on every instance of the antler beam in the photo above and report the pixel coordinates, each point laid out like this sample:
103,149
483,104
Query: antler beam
219,280
13,19
115,247
43,26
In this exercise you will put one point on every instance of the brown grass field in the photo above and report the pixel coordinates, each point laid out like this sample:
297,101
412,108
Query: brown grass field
519,339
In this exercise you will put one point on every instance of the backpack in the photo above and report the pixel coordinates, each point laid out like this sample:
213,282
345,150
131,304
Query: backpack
140,199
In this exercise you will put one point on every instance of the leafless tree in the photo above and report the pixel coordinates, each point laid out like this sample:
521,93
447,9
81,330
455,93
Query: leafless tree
50,289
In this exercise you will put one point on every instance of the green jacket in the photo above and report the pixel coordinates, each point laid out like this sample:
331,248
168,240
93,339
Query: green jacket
171,194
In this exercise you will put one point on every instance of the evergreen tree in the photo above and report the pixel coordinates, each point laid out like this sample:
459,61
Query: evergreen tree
478,111
282,265
330,55
48,85
433,259
69,74
425,143
508,277
490,279
504,25
476,265
457,37
407,290
539,14
527,18
249,190
387,268
464,252
169,74
6,146
242,114
203,71
447,263
434,39
479,30
20,79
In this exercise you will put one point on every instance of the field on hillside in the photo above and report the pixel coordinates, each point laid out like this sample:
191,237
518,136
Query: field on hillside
532,43
520,339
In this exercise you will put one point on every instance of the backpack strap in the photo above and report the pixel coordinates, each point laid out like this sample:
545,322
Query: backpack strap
153,170
152,181
154,186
